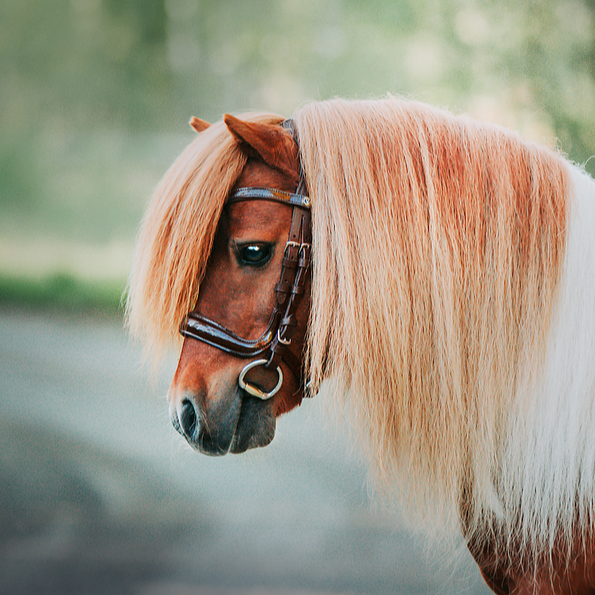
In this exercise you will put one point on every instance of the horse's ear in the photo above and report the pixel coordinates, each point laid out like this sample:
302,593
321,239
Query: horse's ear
271,143
198,124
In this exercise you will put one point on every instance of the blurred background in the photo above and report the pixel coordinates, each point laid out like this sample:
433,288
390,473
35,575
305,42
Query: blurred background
95,96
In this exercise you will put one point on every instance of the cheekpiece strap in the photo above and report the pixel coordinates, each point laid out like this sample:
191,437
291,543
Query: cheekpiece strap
290,126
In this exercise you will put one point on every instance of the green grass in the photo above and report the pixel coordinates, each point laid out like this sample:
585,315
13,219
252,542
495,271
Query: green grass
62,292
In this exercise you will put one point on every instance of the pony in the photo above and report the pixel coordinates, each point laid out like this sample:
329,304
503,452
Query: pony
447,309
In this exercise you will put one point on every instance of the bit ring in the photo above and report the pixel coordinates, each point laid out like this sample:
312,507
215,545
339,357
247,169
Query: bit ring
254,390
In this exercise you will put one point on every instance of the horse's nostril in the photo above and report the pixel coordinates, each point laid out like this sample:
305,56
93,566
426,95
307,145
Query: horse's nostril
175,421
188,420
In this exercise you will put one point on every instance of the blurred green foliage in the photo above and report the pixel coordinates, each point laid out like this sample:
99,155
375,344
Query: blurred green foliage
61,291
95,94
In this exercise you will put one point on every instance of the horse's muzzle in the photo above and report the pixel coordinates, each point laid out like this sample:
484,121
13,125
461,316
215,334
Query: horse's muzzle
247,422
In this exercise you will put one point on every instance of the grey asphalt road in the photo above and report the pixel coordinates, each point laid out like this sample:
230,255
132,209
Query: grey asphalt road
99,495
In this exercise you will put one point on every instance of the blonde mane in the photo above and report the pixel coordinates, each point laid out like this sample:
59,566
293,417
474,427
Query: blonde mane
177,233
438,248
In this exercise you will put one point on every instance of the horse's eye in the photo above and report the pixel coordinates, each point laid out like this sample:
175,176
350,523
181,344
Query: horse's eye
254,255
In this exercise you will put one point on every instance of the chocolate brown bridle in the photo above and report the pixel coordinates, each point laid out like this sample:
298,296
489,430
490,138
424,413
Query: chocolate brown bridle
272,347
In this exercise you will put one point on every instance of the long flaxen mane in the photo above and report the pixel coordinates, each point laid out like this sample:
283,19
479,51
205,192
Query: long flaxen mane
177,232
438,249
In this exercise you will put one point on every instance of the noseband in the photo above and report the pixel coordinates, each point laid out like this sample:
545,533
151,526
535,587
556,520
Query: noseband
272,347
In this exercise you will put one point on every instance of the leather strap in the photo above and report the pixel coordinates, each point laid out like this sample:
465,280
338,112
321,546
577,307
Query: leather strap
296,260
290,126
286,198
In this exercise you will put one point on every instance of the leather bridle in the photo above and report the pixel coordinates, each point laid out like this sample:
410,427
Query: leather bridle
272,347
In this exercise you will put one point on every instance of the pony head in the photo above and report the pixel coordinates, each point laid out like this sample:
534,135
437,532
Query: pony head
221,262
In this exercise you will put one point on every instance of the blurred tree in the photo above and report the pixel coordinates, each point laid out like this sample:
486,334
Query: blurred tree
81,80
147,17
554,61
147,64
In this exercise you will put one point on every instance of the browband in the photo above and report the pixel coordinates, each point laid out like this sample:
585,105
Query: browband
286,198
